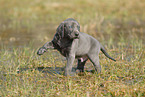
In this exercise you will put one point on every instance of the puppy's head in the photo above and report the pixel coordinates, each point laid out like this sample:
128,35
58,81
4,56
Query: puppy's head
69,29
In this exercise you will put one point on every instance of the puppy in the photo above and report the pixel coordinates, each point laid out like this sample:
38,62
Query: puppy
72,43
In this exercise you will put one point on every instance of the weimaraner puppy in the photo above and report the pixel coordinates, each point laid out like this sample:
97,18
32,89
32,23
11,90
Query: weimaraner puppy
72,43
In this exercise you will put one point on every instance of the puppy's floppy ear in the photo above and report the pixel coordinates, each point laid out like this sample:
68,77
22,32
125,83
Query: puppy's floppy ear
60,30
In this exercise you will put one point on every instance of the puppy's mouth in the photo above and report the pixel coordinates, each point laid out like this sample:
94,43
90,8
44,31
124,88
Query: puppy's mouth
76,37
73,37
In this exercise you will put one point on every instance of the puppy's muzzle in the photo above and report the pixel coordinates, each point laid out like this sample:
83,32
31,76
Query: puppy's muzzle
76,34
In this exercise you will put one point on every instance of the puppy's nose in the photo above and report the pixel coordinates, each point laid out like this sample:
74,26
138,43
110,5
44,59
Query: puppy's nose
76,34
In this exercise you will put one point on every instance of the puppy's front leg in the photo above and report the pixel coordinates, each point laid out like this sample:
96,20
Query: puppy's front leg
43,49
68,68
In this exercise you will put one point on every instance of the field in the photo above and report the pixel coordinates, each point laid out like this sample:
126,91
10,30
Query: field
26,25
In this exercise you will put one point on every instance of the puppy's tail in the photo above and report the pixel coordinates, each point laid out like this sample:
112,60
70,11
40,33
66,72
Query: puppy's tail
106,54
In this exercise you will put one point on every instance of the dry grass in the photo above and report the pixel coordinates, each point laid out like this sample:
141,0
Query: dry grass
23,73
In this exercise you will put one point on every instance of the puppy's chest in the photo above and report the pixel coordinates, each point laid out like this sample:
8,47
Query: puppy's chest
65,46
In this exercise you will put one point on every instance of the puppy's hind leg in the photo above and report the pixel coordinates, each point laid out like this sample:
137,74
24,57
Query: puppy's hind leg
94,58
81,64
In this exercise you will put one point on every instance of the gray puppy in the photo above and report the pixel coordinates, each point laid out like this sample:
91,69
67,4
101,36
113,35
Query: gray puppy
72,43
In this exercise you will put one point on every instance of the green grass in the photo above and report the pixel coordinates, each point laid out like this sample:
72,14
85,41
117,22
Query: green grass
118,25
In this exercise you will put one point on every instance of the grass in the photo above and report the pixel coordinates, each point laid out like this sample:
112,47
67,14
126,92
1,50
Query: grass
118,25
20,75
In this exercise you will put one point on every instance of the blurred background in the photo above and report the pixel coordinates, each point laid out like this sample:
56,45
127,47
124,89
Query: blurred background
34,22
